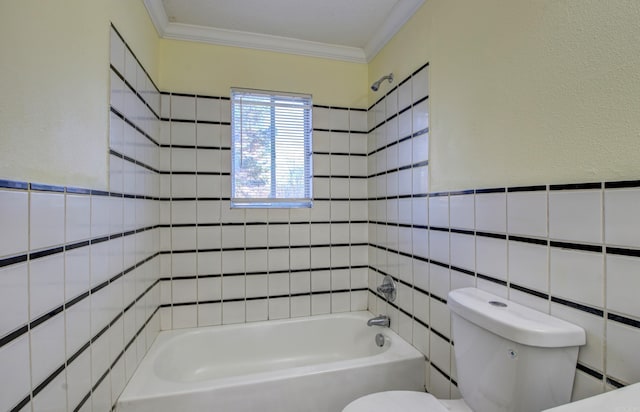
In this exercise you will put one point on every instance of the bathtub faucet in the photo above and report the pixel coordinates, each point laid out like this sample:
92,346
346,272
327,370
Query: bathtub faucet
380,320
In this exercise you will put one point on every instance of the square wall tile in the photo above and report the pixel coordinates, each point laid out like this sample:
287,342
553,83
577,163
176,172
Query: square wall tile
621,222
529,265
576,215
47,220
623,283
14,386
577,276
14,297
623,362
491,212
527,213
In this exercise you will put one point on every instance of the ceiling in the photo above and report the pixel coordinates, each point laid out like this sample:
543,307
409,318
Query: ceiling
349,30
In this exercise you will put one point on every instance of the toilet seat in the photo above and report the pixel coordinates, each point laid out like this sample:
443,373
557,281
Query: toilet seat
405,401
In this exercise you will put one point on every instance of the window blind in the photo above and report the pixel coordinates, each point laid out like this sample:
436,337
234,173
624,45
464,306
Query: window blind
271,150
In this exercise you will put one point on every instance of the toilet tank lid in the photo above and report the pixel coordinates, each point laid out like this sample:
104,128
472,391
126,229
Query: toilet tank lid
514,321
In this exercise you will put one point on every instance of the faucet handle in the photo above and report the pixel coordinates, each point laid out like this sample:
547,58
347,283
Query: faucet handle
388,288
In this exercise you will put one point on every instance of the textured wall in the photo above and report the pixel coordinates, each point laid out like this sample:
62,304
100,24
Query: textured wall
526,92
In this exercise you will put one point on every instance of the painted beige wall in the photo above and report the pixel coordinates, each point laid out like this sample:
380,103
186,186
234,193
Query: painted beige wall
526,91
200,68
54,86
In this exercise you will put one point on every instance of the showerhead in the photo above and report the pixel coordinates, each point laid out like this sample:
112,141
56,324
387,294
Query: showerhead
376,85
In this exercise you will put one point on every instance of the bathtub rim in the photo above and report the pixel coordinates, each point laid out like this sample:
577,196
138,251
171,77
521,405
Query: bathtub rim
399,350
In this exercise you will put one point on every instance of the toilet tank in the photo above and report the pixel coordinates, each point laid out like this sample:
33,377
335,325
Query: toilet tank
510,358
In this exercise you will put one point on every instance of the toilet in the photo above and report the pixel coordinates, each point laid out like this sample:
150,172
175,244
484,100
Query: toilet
509,358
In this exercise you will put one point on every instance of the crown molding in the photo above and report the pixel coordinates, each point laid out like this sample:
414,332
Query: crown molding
400,14
178,31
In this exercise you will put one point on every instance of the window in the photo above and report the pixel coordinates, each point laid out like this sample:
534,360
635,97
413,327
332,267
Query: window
270,149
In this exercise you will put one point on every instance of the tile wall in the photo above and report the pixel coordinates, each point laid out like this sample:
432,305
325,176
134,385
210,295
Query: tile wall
79,289
88,277
223,265
569,250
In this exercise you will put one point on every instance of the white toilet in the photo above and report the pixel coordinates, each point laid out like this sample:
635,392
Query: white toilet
509,358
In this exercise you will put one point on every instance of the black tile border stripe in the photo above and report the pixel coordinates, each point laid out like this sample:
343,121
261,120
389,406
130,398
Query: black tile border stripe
577,246
622,184
13,184
268,297
57,310
624,320
576,186
594,373
526,290
536,188
578,306
623,251
615,383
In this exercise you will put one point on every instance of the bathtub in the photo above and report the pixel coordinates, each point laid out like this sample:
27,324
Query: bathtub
314,364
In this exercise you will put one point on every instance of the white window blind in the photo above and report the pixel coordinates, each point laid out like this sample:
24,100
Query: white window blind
271,149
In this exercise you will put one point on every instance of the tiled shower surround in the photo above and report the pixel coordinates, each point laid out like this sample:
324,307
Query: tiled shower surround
89,277
569,250
79,288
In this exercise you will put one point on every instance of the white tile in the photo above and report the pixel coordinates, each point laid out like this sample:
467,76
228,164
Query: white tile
53,397
279,308
421,116
101,396
79,378
462,211
233,287
439,211
491,257
358,120
440,317
462,253
47,348
99,216
577,276
233,312
585,386
439,246
527,213
184,290
209,135
320,304
256,261
491,212
209,314
78,218
320,117
576,215
591,353
256,286
183,160
338,119
622,356
46,284
183,133
257,310
183,107
14,297
623,283
301,306
185,316
208,109
621,217
78,325
14,386
529,265
47,220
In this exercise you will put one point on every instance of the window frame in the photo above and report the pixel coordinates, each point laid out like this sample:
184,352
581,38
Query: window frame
307,125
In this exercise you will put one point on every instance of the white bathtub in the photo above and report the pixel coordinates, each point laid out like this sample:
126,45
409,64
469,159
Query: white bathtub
319,363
